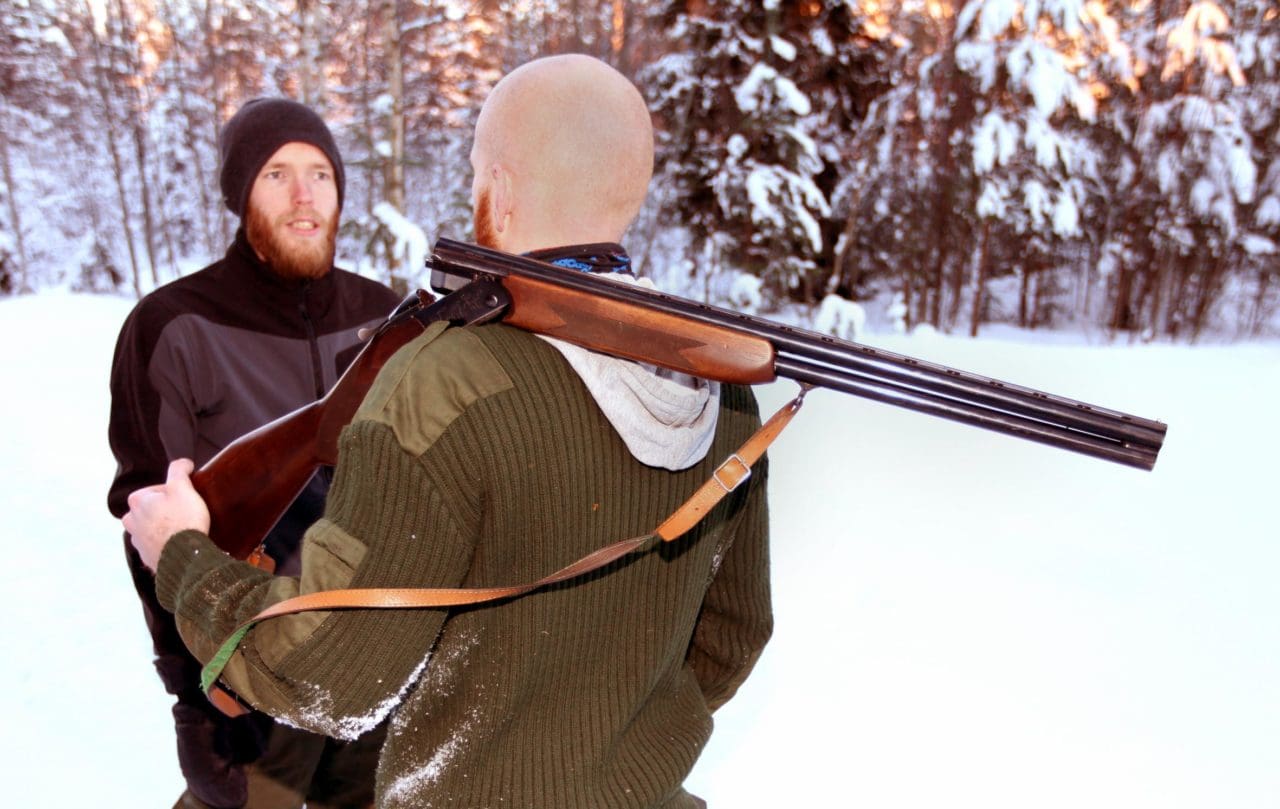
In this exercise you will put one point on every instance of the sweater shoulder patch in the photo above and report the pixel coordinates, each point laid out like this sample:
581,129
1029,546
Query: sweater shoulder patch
430,382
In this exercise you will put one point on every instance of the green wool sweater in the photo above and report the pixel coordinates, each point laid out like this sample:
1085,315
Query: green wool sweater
480,459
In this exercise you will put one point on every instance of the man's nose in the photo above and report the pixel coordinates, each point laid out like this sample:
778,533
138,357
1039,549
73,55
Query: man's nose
301,190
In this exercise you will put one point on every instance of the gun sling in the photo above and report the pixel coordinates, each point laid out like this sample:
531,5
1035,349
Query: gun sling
727,477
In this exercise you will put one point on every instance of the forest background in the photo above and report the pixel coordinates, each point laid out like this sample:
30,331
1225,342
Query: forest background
1109,165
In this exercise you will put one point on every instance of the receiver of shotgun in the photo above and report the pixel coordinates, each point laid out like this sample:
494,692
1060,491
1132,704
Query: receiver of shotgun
252,481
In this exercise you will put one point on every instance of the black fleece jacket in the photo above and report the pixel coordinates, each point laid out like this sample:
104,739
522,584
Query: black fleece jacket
209,357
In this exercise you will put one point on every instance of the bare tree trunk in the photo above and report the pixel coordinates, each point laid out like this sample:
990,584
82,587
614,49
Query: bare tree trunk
366,113
213,55
618,38
957,279
1214,270
394,166
1140,306
109,124
1024,295
1121,320
908,293
15,213
840,261
929,309
190,129
1038,296
137,127
980,281
1158,297
1260,310
1127,312
311,85
306,66
938,284
395,87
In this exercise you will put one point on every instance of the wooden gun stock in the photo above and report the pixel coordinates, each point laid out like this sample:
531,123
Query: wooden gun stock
249,484
636,332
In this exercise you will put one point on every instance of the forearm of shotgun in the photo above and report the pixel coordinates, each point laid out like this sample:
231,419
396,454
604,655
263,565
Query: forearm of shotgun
635,332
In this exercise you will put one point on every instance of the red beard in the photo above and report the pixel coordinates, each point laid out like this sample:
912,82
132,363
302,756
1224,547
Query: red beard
482,222
287,260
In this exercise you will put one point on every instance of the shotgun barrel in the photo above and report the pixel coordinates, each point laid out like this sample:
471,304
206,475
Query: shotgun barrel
824,361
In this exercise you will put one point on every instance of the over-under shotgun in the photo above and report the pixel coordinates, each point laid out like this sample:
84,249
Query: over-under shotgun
252,481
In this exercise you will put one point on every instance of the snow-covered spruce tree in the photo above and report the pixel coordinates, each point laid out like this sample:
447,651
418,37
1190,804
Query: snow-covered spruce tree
105,198
368,116
1032,161
845,60
1257,43
223,48
185,80
907,195
127,56
31,96
195,222
1188,174
452,59
735,146
976,167
410,78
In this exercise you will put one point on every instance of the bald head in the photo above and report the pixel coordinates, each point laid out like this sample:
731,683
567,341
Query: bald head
563,154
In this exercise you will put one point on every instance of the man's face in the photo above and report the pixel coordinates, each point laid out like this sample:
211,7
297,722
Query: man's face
292,215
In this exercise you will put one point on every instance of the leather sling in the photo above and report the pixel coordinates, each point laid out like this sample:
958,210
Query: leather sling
734,471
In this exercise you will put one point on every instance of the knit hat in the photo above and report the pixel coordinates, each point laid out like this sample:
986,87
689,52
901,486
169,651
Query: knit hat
255,132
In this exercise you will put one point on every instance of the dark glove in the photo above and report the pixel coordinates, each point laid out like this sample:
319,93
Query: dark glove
213,749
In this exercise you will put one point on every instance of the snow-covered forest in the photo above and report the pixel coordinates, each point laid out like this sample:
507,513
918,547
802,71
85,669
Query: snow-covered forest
1108,165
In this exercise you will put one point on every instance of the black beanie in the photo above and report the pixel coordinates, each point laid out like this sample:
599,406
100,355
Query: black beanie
255,132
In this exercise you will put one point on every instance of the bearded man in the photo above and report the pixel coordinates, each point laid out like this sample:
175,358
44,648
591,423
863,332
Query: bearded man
203,360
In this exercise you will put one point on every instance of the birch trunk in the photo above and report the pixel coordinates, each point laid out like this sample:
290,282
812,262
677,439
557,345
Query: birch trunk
109,123
15,213
395,161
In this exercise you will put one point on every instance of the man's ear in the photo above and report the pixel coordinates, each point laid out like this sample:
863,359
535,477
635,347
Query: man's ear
502,200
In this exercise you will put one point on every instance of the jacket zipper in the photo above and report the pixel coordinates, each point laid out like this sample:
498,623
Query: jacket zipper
317,372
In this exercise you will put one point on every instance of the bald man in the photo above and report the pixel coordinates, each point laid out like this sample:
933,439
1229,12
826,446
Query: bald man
563,153
486,456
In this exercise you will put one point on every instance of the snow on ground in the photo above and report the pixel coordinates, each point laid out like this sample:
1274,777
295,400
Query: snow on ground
963,619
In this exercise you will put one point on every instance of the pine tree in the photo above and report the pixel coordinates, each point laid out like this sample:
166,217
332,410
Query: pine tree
1032,160
1190,172
908,197
1257,43
410,80
24,58
736,149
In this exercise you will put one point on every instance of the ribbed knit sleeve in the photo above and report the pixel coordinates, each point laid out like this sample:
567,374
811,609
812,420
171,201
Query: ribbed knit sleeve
337,673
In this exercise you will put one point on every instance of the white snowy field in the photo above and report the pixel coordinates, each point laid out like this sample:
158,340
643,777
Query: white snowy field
963,619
